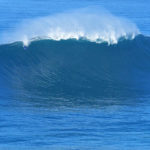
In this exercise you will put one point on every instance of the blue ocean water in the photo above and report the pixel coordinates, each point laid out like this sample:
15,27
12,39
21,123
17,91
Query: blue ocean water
74,75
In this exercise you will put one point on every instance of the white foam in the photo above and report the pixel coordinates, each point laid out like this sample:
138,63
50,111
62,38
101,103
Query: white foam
97,25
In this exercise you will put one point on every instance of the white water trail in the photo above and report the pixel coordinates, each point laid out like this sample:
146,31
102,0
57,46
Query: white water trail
93,24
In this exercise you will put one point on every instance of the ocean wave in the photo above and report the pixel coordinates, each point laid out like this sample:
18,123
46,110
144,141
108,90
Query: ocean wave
93,24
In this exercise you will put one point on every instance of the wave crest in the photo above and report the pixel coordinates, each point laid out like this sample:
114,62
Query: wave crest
96,25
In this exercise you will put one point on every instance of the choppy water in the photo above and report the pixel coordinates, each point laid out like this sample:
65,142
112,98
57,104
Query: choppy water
74,80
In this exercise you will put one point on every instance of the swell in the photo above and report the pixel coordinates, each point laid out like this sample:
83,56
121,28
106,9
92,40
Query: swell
77,68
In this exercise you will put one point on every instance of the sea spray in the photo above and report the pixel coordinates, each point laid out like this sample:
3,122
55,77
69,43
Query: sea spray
94,24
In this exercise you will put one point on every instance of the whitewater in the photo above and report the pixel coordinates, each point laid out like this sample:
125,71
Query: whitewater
92,23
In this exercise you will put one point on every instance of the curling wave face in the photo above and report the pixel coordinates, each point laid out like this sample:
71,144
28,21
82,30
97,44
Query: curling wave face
95,24
77,68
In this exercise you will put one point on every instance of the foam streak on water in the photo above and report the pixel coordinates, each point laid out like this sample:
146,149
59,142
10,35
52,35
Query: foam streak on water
93,24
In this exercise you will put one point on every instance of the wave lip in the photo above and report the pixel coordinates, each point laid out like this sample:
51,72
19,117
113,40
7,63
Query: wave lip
96,25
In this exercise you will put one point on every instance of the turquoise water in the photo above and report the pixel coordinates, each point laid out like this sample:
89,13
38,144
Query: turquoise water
74,94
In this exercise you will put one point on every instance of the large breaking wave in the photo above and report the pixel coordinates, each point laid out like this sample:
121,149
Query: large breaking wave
84,54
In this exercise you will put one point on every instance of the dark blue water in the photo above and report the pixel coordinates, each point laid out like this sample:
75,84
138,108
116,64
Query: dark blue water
74,94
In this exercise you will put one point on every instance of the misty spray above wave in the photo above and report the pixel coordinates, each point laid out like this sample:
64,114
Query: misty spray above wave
93,24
